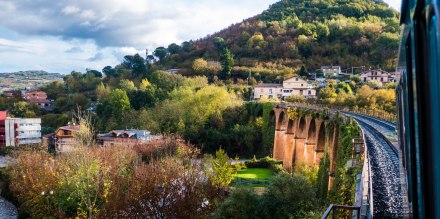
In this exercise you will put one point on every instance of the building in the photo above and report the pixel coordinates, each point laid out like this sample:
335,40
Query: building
32,95
39,98
19,131
271,91
289,87
377,75
331,71
298,86
129,136
64,137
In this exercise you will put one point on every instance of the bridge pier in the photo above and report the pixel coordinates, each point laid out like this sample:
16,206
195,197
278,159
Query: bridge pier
290,148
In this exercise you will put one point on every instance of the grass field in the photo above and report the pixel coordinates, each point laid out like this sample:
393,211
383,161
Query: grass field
253,177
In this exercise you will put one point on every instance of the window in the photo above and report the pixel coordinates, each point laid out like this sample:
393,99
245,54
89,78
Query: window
270,90
381,79
310,92
302,85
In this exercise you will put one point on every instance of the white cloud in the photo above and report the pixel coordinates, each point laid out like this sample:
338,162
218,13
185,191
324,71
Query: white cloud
68,10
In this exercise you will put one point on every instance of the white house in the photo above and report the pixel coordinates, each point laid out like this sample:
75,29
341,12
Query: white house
291,86
272,91
377,75
330,71
298,86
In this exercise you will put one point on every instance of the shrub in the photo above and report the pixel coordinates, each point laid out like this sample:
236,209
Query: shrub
266,162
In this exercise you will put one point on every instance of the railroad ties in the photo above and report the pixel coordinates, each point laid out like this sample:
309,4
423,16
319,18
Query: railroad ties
389,191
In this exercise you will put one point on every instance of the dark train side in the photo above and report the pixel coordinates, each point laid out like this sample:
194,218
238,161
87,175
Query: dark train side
418,95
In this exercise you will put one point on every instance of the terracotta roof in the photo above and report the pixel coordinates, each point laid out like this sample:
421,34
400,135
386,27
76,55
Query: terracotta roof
70,128
269,85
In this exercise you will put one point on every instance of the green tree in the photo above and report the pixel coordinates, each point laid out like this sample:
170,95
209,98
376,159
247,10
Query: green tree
174,48
241,204
161,53
303,71
222,171
227,61
290,196
118,102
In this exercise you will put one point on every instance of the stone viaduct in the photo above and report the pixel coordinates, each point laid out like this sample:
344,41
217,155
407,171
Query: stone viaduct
303,140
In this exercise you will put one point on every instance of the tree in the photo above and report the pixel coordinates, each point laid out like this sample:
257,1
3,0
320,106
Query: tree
127,85
290,196
110,72
222,171
118,102
161,53
96,73
219,43
227,61
303,71
243,204
136,63
186,46
174,48
200,66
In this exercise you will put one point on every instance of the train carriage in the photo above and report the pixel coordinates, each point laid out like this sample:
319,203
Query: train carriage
418,94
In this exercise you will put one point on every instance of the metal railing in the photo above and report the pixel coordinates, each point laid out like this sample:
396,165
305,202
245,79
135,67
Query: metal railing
372,113
334,210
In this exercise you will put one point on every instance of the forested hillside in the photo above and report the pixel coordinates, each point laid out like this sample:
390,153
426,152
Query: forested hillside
293,33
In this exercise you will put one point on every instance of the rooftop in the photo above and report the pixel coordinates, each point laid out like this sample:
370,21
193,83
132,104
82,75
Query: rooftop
270,85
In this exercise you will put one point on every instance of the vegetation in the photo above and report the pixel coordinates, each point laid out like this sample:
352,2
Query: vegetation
287,196
95,182
365,97
295,35
343,188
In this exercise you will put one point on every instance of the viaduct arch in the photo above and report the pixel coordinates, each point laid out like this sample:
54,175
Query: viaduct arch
303,140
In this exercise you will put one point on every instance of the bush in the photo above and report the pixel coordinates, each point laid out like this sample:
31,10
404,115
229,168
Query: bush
288,196
266,162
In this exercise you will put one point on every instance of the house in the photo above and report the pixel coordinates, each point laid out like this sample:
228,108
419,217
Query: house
39,95
331,71
64,137
19,131
289,87
39,98
173,71
377,75
128,136
321,82
298,86
11,94
271,91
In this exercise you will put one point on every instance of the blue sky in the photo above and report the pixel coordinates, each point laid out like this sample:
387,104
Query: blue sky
62,36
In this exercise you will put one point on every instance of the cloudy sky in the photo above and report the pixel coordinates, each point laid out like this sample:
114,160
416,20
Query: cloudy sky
66,35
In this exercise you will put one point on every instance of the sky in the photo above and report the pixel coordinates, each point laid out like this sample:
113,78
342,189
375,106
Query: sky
72,35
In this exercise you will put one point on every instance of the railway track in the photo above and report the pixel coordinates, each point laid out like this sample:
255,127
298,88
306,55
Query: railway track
385,167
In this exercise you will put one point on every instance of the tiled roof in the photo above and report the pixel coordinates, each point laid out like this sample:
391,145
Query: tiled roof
70,128
269,85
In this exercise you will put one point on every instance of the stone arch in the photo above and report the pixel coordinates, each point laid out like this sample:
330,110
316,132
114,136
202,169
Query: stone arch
290,127
320,144
272,118
301,127
281,117
311,135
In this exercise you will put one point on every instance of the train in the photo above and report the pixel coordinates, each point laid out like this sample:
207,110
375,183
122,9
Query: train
418,100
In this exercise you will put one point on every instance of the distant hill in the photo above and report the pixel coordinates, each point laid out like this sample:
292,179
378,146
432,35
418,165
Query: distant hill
27,79
292,33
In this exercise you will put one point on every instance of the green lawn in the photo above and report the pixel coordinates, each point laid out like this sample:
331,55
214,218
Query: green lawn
253,177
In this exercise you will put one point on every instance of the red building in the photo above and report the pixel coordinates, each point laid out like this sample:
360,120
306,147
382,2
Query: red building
39,98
